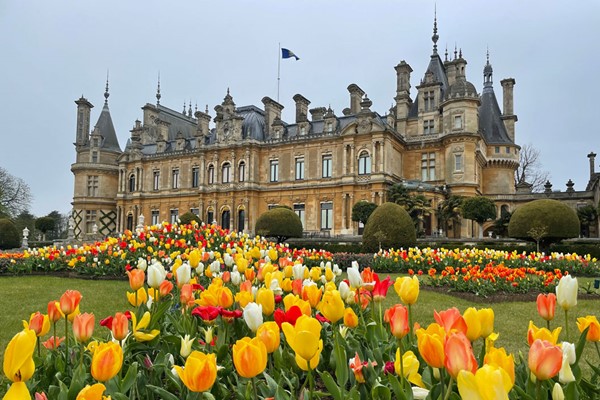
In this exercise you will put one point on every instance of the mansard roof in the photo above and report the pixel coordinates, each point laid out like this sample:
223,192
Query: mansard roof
107,130
178,122
490,119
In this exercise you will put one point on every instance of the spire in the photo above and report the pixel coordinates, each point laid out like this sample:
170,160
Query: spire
455,50
106,94
158,96
446,54
435,36
184,108
487,72
190,108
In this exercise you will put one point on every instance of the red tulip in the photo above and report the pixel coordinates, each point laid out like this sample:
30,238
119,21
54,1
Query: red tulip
290,316
381,288
207,313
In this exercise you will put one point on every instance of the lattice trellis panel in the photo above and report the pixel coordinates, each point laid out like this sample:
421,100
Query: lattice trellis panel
108,222
77,221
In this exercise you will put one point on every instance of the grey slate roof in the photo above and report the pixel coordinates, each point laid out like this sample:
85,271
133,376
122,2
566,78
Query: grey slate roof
490,121
107,130
436,66
179,123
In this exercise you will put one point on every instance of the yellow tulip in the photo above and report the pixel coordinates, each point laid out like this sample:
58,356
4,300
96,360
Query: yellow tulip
480,323
430,342
499,358
142,325
269,334
304,338
194,258
410,367
200,371
266,298
332,306
312,294
249,357
18,363
243,298
407,289
533,333
350,318
39,323
106,361
93,392
488,383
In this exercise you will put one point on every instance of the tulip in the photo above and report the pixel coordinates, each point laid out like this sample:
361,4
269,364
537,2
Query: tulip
253,316
266,299
489,382
120,326
165,288
186,295
54,313
69,301
409,367
397,317
533,333
557,392
269,334
305,339
430,342
39,323
499,358
199,372
350,318
194,258
407,289
566,292
243,298
18,363
332,306
480,323
354,276
142,325
593,334
186,345
138,298
142,264
451,320
249,357
459,354
356,365
106,361
545,359
546,305
83,327
40,396
565,375
136,279
312,294
53,342
93,392
290,316
156,274
183,274
380,289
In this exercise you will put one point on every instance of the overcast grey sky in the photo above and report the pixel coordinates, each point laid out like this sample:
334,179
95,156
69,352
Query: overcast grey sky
55,51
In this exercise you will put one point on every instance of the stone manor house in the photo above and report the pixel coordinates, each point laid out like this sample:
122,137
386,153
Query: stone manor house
443,137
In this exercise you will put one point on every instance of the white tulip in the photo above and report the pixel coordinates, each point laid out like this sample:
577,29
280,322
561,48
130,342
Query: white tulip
298,271
419,393
215,267
253,316
354,276
142,264
186,346
566,292
344,290
337,271
566,374
557,392
228,260
184,274
156,274
236,278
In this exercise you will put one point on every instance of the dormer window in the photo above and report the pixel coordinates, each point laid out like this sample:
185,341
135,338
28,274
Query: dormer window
428,127
329,127
429,100
94,157
303,130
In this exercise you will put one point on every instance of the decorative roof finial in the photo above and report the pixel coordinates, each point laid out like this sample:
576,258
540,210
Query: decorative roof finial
446,53
190,108
460,53
184,108
487,71
455,50
106,94
206,109
195,108
158,96
435,36
487,54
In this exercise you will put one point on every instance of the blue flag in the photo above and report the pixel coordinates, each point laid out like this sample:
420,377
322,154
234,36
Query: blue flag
285,53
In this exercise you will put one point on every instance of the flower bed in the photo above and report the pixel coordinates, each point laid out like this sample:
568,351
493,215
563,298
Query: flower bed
217,315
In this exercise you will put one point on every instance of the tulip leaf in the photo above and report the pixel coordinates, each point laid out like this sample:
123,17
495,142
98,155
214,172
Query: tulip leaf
570,391
380,392
341,363
581,344
522,394
281,394
397,387
270,382
129,379
77,382
207,395
165,395
331,386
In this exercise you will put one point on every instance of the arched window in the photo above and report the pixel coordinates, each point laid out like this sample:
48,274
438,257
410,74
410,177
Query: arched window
242,171
132,183
226,173
241,220
210,176
226,219
364,163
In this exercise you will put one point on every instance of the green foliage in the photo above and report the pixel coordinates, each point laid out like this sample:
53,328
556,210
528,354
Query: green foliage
362,210
417,205
588,216
478,208
188,217
280,223
389,226
559,220
501,224
9,235
45,224
25,220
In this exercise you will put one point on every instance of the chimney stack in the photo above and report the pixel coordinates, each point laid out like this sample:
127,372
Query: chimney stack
301,108
272,111
356,94
592,157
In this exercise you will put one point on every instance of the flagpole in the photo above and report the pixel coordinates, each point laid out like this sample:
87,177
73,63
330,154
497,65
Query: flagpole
278,70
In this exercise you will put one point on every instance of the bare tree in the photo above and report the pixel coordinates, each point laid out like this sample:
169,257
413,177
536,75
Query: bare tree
15,196
530,168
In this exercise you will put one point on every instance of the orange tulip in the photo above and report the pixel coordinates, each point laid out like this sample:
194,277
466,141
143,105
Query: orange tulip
53,342
83,327
93,392
39,323
430,342
137,277
350,318
397,316
120,326
593,334
165,288
459,354
312,294
249,357
106,361
546,305
225,297
451,320
269,334
186,295
69,301
54,313
545,359
533,333
200,371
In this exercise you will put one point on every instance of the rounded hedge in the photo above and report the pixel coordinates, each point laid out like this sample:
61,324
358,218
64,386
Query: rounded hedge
389,226
559,220
281,223
9,235
188,217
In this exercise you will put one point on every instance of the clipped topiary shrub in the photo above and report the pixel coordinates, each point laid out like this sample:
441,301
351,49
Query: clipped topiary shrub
188,217
280,223
389,226
544,221
9,235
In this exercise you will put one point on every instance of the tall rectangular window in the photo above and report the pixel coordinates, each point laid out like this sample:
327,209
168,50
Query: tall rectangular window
299,210
155,214
428,166
364,163
175,179
274,170
428,126
94,156
326,166
195,177
92,185
429,100
226,173
458,162
326,216
174,215
90,220
457,122
156,180
242,171
195,211
299,168
210,176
